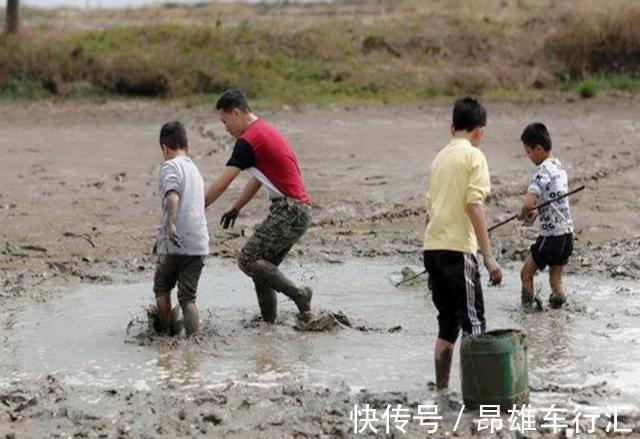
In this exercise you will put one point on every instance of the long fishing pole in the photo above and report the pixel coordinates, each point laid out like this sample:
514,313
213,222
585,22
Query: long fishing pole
539,206
502,223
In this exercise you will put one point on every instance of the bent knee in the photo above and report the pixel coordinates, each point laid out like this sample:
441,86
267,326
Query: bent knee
247,265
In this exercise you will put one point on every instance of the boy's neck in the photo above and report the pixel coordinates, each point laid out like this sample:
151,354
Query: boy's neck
545,157
172,154
462,135
467,135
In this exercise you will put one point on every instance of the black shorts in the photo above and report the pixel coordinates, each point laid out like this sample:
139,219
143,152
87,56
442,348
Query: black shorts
552,250
456,292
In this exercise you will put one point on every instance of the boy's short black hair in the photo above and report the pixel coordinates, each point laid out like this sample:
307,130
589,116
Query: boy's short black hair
173,135
536,134
468,114
232,99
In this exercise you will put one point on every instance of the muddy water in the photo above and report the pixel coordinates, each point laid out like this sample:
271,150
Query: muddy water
588,353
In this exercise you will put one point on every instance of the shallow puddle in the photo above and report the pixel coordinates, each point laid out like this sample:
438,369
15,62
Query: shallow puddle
588,352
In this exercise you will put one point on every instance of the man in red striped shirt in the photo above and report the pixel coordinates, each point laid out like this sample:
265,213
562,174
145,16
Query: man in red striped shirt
264,153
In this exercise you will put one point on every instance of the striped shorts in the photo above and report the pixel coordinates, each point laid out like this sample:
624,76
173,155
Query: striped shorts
456,292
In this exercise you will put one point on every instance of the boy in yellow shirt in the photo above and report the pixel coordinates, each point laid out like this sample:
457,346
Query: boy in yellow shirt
456,226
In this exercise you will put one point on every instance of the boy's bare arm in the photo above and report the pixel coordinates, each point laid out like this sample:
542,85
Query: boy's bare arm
528,206
171,202
479,223
250,190
228,174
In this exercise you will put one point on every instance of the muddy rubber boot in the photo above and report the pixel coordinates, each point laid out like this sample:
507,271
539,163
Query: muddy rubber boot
533,304
274,278
191,319
304,305
267,301
175,327
557,300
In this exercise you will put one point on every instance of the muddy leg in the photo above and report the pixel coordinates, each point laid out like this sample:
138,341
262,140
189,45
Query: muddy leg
187,289
528,296
557,298
443,355
265,272
163,302
267,301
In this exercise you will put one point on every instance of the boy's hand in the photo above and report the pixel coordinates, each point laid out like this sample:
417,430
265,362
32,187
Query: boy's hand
228,219
530,218
528,208
172,234
495,272
154,252
525,214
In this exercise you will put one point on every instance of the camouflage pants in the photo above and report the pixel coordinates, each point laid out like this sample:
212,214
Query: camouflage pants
287,222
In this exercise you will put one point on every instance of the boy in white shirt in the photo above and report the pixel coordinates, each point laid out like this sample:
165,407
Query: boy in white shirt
183,239
554,244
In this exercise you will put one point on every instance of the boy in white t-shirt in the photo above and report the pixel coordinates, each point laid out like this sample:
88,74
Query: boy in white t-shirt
183,239
554,244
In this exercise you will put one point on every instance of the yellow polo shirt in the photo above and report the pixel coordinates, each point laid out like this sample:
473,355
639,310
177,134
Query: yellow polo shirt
459,176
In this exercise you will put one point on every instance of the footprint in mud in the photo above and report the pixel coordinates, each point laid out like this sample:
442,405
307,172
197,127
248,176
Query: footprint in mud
375,180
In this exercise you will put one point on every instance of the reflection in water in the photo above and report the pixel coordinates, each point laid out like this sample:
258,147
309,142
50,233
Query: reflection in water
178,366
266,355
549,348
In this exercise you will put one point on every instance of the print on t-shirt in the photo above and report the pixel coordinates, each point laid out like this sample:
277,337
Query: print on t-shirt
549,181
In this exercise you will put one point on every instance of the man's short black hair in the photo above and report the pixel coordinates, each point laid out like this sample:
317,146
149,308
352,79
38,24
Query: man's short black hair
232,99
468,114
536,134
173,135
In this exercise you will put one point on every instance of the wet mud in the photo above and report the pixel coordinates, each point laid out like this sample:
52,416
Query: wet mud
76,354
60,372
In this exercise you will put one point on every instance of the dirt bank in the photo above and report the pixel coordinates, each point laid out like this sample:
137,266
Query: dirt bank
381,50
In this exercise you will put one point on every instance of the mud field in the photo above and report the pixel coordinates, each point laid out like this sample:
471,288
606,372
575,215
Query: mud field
79,211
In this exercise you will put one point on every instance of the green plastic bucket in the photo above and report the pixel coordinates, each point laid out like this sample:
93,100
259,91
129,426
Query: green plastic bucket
494,370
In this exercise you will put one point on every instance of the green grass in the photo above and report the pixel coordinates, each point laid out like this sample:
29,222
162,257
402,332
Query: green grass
22,90
327,62
590,86
587,88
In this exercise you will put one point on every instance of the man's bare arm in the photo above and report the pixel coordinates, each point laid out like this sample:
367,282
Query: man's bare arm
217,188
250,190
